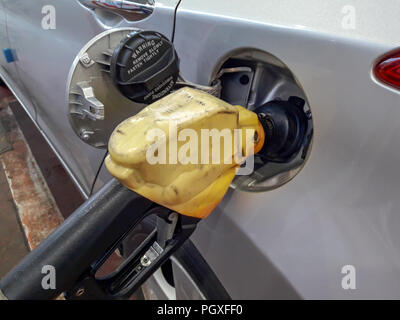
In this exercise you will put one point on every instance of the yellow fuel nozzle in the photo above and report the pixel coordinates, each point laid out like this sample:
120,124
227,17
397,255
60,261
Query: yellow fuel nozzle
183,150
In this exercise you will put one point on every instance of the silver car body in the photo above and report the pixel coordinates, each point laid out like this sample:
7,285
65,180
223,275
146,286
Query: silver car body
341,209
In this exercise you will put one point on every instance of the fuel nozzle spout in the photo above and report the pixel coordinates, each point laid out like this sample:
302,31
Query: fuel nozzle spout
285,126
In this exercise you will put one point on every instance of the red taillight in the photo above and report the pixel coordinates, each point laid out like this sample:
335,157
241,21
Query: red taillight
387,69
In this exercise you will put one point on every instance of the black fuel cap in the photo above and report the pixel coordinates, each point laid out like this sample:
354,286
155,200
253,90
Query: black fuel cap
145,66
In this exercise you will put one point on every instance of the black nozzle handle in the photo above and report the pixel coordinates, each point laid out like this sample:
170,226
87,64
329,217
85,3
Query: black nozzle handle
76,243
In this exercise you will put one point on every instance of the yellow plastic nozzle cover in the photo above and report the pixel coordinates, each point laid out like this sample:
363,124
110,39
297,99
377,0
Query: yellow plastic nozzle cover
169,151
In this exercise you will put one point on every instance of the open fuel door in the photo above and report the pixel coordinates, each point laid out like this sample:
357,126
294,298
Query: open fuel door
46,38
